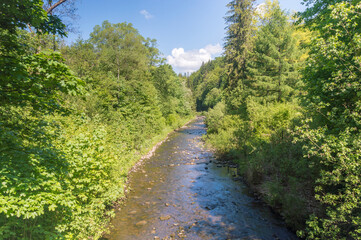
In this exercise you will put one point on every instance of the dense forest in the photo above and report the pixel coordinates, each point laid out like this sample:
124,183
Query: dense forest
74,120
284,102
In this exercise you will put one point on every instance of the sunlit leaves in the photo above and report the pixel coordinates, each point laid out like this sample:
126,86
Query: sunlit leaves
37,80
24,13
333,136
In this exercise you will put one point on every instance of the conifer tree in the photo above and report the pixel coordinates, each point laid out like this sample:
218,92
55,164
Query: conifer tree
238,44
272,72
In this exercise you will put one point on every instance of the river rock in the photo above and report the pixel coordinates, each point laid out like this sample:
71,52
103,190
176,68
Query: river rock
182,234
141,223
164,218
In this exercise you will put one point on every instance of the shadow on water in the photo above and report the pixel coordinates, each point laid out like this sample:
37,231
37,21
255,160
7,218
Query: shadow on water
183,192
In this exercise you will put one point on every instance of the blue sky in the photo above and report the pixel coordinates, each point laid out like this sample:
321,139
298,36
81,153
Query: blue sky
187,31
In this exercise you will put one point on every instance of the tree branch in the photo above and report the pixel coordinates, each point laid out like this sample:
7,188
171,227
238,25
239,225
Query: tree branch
31,30
50,9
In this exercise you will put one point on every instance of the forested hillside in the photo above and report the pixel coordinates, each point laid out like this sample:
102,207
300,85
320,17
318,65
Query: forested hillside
74,120
284,103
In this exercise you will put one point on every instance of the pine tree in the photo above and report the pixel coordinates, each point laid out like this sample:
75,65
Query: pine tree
272,72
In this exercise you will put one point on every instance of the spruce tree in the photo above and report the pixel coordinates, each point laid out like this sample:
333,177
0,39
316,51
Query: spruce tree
238,44
272,72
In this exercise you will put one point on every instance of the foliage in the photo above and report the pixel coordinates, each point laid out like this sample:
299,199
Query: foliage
333,70
35,74
331,135
213,97
239,42
206,82
255,124
314,14
272,69
21,13
215,117
171,91
302,156
66,144
222,129
40,78
121,47
32,172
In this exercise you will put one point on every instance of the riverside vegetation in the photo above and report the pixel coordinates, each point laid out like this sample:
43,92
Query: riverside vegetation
75,120
285,104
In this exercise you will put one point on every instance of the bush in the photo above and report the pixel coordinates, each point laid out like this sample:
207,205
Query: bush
214,117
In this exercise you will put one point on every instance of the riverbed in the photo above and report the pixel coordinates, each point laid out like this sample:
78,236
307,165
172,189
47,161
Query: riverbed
183,192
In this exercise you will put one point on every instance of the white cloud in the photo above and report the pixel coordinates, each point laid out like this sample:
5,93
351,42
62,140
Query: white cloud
190,61
146,14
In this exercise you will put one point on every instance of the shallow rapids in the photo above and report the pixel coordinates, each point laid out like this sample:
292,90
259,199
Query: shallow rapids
183,192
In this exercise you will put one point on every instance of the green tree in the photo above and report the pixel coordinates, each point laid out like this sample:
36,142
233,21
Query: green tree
208,83
171,91
32,87
272,69
21,13
34,79
121,49
332,134
240,30
64,158
316,10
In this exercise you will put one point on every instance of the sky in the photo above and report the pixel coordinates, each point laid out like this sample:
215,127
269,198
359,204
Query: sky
188,32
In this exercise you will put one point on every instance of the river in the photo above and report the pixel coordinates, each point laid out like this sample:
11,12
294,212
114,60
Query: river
184,192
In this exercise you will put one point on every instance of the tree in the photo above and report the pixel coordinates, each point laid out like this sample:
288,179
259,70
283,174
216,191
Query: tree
65,10
173,96
238,44
121,48
316,10
32,79
50,6
208,83
32,87
153,52
20,13
332,134
272,71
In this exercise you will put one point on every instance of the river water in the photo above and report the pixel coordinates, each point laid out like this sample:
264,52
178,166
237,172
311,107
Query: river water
183,192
